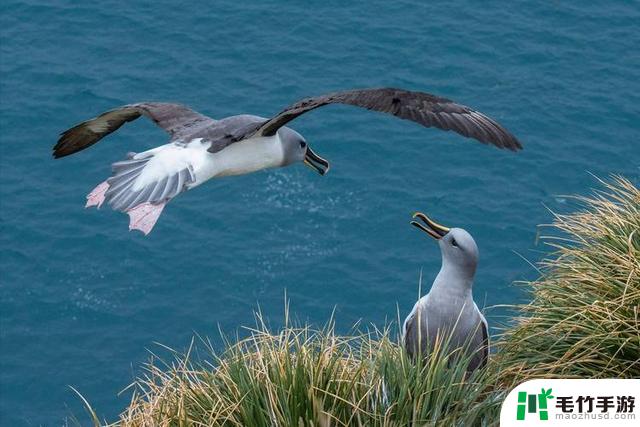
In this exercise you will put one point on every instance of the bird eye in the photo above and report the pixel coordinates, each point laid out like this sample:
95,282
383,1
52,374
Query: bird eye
454,243
303,144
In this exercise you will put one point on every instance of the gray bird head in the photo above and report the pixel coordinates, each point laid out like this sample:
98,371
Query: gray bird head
296,150
458,248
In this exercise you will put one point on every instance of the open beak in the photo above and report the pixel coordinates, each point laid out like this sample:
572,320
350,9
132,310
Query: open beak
316,162
432,228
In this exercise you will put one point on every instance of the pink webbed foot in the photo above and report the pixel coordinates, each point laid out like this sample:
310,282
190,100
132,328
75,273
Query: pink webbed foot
96,197
144,216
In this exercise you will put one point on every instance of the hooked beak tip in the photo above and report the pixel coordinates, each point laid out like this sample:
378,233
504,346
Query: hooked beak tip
316,162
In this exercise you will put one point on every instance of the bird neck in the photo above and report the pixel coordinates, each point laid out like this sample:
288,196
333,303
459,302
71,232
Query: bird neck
453,281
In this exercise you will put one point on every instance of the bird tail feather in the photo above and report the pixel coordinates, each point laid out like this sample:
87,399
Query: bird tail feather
143,205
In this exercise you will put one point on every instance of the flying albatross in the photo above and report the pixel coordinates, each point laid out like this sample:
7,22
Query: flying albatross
448,311
201,148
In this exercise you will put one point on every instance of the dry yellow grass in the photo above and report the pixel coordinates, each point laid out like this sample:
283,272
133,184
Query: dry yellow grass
584,316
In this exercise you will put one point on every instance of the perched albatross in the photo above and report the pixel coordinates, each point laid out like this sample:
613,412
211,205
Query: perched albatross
201,148
448,310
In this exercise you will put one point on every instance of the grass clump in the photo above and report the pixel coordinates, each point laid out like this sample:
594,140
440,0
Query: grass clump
582,322
584,317
306,377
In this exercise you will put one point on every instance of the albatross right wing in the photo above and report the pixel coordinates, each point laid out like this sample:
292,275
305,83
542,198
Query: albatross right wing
176,119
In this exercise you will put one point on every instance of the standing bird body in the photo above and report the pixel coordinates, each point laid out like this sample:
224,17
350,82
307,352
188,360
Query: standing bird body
448,311
202,148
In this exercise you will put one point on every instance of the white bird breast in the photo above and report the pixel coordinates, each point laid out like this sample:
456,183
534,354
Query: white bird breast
244,157
238,158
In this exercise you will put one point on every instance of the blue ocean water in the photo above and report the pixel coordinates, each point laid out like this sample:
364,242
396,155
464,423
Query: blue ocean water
82,299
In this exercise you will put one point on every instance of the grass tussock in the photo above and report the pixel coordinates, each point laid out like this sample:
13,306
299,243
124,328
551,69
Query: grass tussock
306,377
584,317
582,322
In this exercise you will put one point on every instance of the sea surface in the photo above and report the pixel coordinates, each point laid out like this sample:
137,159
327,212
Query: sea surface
83,301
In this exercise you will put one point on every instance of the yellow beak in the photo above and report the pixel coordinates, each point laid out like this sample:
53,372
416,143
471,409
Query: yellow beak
432,228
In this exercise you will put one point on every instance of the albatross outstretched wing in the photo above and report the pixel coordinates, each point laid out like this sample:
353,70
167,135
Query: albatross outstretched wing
426,109
176,119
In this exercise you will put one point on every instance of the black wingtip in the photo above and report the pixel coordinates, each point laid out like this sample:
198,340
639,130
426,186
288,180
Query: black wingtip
58,149
57,154
73,140
64,146
504,139
513,145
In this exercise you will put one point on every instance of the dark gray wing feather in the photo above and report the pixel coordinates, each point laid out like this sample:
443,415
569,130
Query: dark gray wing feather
423,108
408,333
229,130
176,119
480,343
484,327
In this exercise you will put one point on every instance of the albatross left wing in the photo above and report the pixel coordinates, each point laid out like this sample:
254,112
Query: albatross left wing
423,108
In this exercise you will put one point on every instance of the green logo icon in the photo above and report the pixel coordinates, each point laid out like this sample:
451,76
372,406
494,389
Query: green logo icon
532,403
